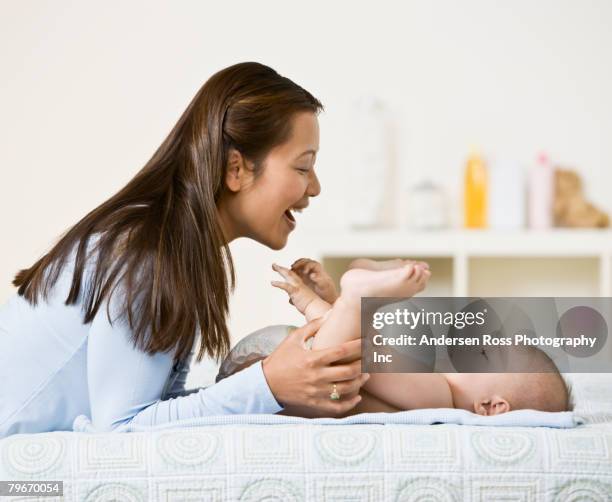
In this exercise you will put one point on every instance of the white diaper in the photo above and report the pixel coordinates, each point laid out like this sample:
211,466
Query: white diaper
253,347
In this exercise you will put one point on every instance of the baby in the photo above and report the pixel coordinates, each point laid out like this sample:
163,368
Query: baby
311,290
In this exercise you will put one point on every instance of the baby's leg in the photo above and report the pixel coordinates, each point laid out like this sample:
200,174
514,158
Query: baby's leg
343,322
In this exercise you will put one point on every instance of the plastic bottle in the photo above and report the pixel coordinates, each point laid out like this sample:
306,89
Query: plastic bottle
372,196
540,197
475,195
507,193
427,207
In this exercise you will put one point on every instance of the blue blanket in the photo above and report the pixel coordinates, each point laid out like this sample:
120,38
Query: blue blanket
518,418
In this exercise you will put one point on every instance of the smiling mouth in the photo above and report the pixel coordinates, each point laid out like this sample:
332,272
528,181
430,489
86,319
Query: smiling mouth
289,219
289,215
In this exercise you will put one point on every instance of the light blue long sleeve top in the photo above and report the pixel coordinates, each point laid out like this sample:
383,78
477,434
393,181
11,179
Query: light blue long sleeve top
54,368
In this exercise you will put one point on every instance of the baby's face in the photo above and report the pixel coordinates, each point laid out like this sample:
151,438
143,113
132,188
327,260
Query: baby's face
482,393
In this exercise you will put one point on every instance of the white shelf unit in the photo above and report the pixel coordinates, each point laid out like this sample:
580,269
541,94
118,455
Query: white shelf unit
484,262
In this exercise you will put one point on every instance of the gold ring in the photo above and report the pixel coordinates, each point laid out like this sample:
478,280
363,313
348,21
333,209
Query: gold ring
334,396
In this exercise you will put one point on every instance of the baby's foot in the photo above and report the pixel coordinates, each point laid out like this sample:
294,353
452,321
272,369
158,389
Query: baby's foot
367,264
405,281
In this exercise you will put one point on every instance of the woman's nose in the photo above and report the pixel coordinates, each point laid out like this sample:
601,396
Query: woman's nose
314,187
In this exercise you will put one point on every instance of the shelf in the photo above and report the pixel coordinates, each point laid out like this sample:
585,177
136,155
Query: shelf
483,262
386,243
533,276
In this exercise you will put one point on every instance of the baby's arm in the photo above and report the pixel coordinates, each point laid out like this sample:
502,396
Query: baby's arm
300,296
411,391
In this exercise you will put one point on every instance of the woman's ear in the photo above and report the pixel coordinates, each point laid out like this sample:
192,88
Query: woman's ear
493,406
236,171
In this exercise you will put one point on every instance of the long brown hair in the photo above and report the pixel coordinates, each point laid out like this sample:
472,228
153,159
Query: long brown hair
160,237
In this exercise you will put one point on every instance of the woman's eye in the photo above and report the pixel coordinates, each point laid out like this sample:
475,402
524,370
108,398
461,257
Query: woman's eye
303,170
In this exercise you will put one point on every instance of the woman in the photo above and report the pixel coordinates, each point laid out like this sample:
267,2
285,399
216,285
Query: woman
103,325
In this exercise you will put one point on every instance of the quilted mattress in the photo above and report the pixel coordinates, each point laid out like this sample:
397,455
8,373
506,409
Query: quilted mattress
313,462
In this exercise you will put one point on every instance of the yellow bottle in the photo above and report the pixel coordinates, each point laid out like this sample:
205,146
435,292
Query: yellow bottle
475,195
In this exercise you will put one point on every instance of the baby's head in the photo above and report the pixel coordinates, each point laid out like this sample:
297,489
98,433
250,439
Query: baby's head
541,387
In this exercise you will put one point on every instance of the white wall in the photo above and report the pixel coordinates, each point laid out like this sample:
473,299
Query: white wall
89,90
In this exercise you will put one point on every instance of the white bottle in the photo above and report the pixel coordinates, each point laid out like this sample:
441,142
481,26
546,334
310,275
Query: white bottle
540,198
371,195
506,195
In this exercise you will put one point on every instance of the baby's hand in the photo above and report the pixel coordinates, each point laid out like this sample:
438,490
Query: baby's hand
316,278
300,295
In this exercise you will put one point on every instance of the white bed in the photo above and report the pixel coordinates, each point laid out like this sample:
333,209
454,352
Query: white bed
367,462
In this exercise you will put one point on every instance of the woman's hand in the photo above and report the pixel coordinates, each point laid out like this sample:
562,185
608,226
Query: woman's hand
316,278
305,378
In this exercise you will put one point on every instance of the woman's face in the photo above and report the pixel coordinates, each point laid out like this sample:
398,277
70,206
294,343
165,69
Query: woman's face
263,207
